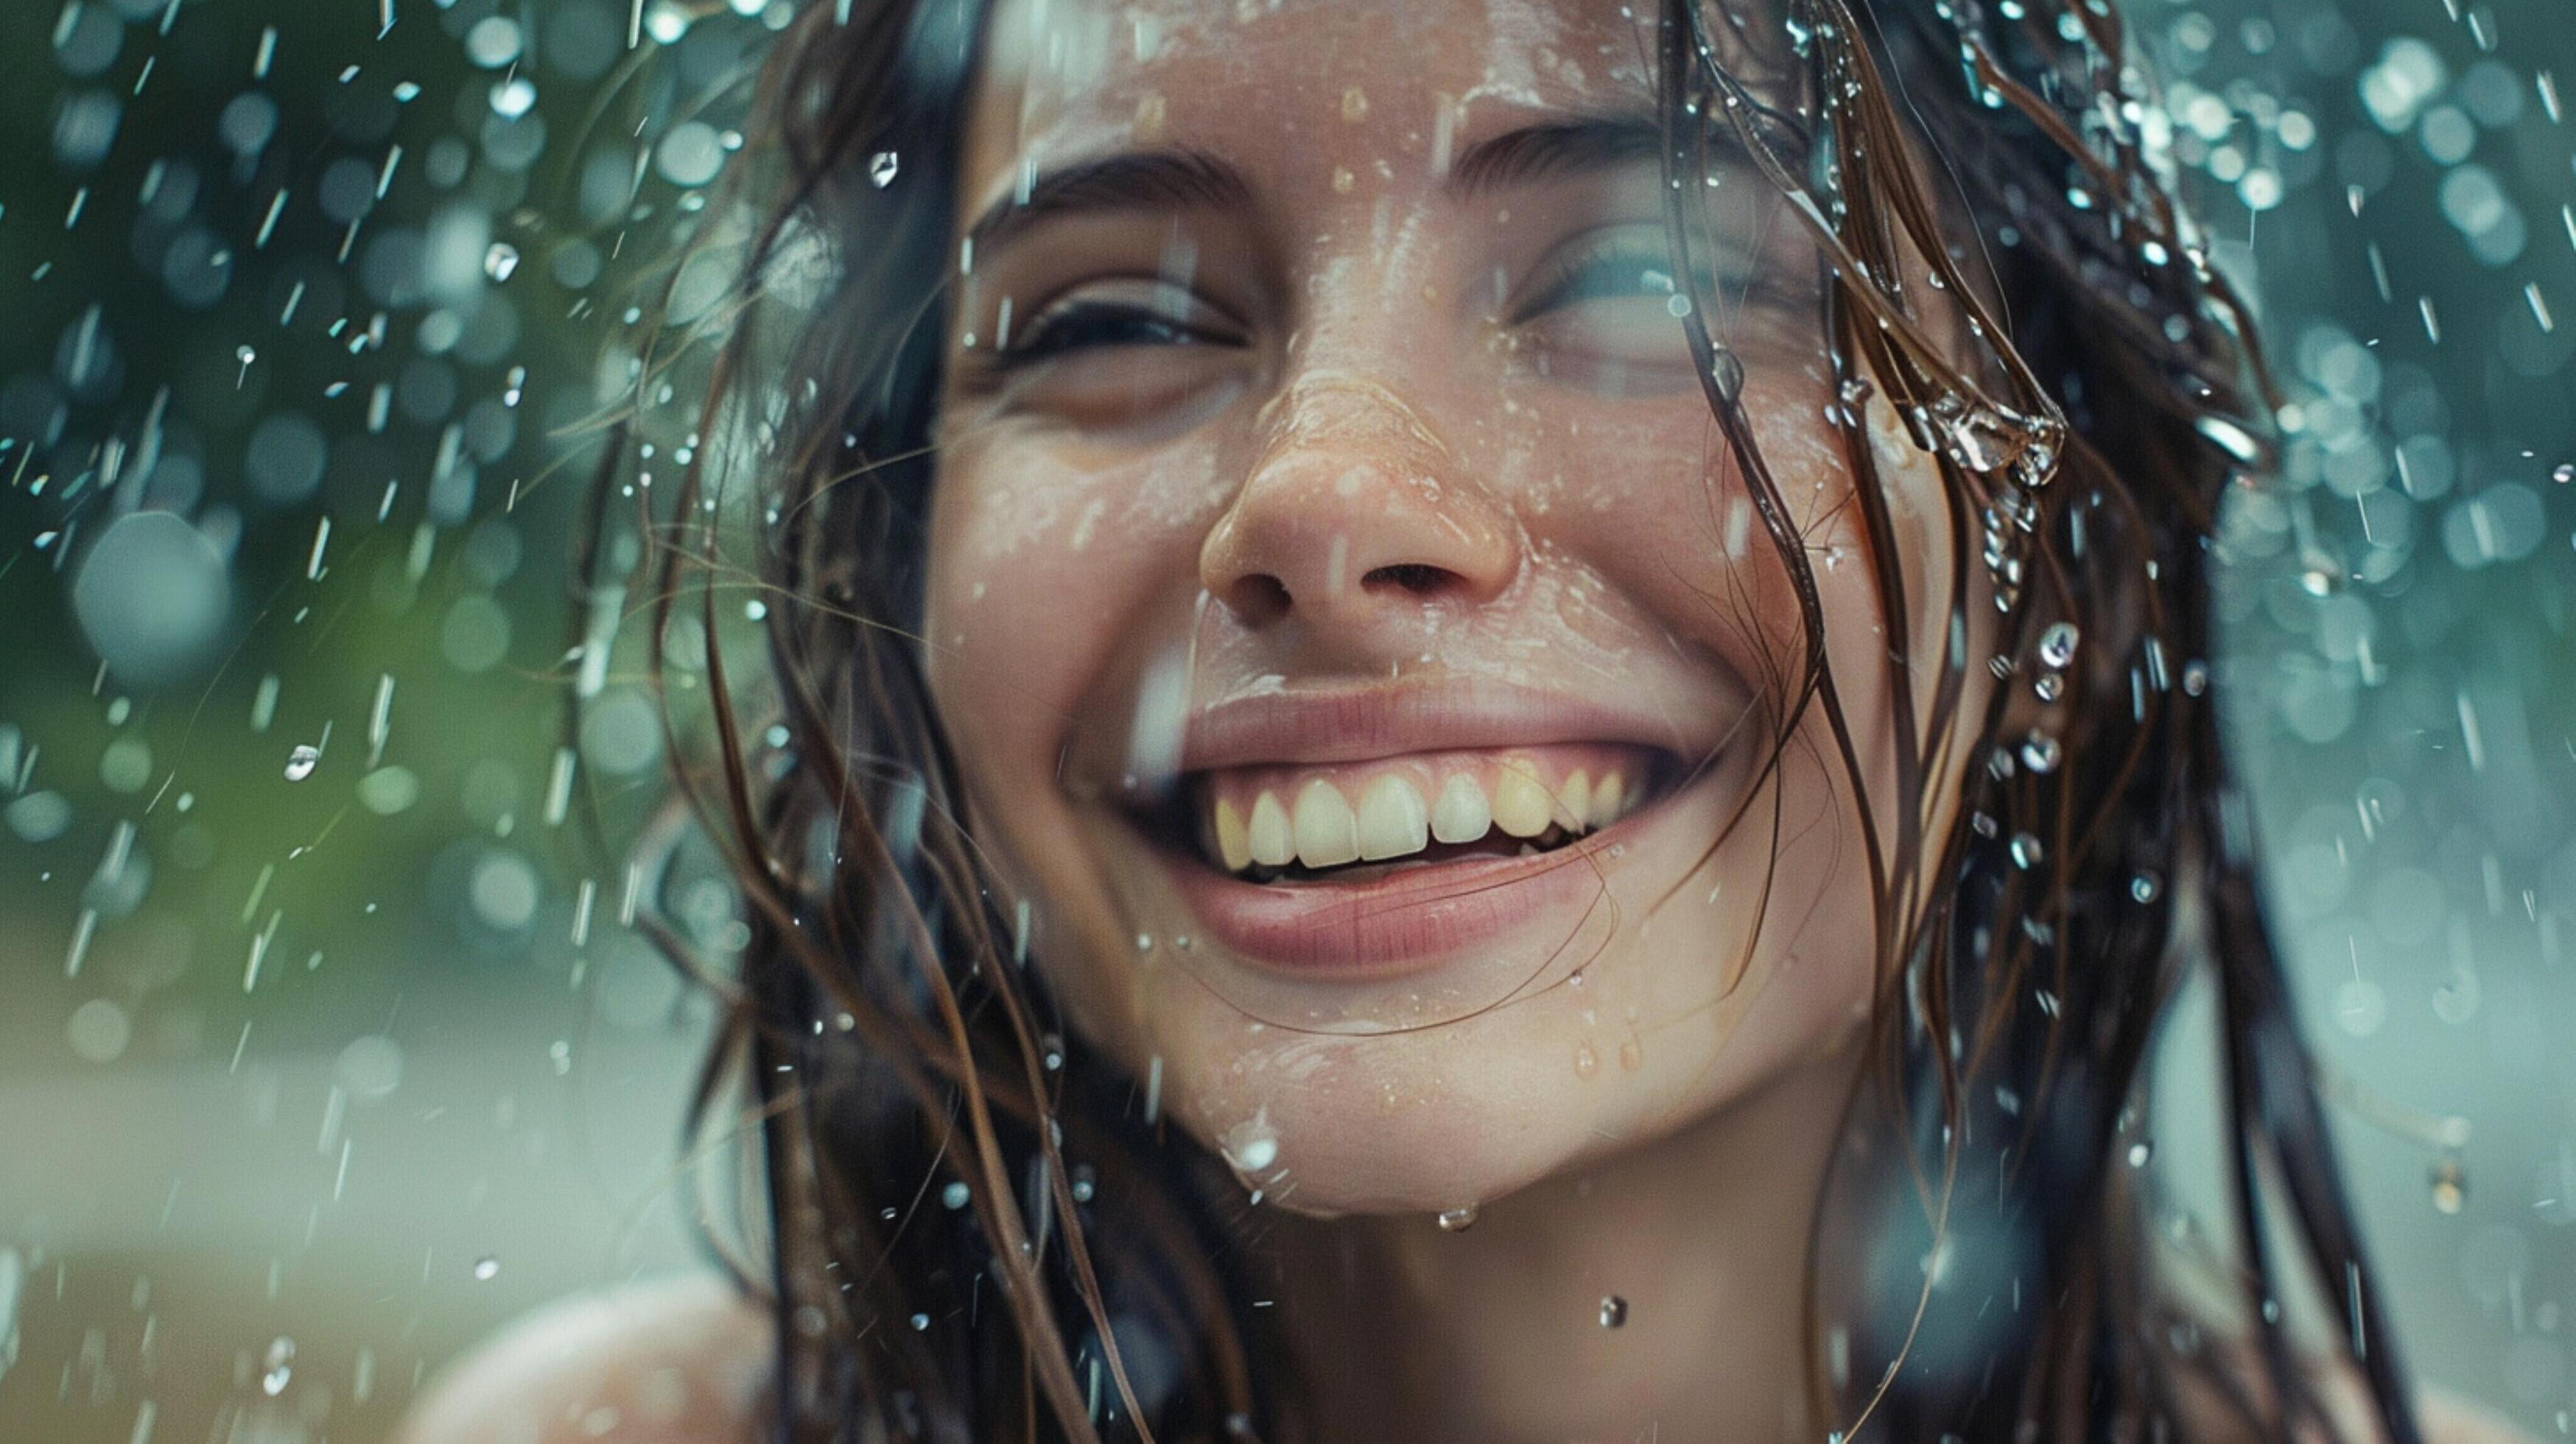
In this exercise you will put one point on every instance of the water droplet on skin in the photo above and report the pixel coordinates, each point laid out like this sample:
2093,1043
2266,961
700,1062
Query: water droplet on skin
1354,105
301,762
1614,1311
1586,1062
487,1268
1457,1220
882,167
1251,1146
1632,1055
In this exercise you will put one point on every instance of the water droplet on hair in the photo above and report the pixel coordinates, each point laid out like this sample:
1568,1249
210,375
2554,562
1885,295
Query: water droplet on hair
956,1195
2140,1152
2057,645
1457,1220
2563,473
1614,1311
2026,850
301,762
502,261
920,1323
2145,887
882,167
2040,752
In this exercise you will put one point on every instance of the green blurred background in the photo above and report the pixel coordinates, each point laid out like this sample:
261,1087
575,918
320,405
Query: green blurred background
309,1075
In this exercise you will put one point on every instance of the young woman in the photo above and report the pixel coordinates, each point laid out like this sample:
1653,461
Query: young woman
1489,722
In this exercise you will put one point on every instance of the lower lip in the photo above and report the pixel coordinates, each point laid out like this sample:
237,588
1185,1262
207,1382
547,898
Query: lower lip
1406,922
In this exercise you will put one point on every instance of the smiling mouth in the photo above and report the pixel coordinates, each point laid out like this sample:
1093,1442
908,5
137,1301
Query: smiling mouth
1289,826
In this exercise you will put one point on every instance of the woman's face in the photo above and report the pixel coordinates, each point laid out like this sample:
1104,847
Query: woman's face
1353,626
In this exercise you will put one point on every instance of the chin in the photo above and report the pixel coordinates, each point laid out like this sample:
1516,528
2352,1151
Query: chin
1420,1122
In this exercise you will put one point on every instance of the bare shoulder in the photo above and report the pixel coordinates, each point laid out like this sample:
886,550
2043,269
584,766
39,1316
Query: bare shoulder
679,1361
2441,1417
2451,1420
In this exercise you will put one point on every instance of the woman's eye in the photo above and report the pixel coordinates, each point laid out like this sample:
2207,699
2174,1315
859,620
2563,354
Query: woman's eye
1117,354
1614,276
1117,317
1603,312
1091,327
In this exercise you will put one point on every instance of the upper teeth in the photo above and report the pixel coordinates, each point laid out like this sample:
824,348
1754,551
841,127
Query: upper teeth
1315,824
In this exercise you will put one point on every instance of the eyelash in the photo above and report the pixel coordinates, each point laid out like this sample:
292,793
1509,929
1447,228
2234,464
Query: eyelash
1095,325
1576,278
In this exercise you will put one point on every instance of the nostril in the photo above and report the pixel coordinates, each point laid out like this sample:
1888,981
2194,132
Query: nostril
1419,578
1258,598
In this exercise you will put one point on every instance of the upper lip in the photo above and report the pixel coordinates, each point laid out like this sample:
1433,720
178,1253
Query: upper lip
1364,723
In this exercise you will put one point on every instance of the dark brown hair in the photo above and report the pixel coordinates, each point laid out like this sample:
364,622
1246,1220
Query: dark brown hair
2073,837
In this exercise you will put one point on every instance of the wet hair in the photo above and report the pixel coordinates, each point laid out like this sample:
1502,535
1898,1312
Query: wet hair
969,1226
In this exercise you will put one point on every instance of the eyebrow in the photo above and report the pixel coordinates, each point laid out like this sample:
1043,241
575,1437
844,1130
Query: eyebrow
1186,179
1552,149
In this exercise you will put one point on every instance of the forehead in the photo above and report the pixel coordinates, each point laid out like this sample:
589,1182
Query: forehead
1066,77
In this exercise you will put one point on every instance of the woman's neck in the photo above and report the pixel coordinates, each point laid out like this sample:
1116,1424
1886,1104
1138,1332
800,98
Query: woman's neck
1498,1331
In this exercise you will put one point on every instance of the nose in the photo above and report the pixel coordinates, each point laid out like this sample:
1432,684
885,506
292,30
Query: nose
1355,516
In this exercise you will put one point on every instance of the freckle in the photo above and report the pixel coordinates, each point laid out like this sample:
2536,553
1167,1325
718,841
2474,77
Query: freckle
1150,114
1343,180
1354,105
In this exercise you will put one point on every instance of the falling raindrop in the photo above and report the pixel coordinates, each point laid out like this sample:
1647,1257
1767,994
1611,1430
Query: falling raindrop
2563,473
1614,1311
501,261
882,167
2140,1152
487,1268
279,1364
301,762
2450,1186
